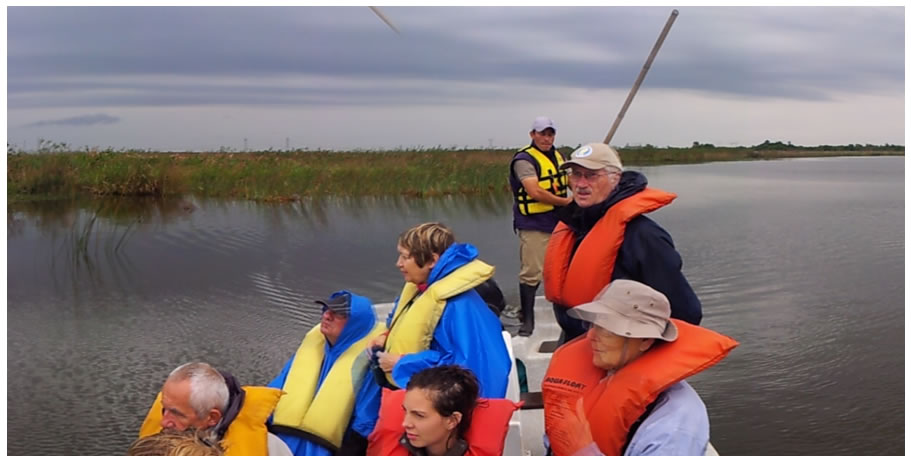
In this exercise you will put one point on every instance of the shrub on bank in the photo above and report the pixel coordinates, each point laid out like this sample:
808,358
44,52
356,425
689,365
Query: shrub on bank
277,176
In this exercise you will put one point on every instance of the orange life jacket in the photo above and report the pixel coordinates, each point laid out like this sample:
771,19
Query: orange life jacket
612,405
485,437
573,279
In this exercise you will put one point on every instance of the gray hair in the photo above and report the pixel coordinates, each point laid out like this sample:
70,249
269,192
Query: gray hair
207,387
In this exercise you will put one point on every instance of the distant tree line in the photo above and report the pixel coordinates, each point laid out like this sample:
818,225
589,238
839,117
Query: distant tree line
778,145
782,146
51,147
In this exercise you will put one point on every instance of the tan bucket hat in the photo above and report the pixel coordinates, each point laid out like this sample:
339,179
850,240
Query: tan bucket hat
629,309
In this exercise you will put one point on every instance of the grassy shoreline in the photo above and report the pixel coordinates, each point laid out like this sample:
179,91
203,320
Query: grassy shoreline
285,176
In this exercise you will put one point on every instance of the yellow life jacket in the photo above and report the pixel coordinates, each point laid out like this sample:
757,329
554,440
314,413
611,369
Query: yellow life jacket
247,434
550,178
413,326
325,412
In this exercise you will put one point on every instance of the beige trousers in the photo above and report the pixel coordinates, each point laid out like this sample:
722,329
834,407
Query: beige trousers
532,247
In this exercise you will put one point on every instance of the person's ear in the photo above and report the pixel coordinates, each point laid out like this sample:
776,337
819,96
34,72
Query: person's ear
453,421
645,345
436,258
213,418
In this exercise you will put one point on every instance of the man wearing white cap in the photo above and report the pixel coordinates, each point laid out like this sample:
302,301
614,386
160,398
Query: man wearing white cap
538,187
604,235
620,389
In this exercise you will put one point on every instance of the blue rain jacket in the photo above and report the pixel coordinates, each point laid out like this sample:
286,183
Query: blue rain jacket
468,333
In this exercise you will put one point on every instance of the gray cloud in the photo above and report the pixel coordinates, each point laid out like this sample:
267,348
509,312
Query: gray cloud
796,53
82,120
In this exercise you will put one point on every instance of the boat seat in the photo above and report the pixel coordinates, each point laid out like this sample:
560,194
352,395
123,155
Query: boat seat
512,386
514,445
549,346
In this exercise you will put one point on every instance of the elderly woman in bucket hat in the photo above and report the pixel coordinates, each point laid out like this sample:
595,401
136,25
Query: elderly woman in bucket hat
620,389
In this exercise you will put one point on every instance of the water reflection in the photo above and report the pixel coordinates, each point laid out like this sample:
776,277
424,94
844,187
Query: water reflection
94,244
84,241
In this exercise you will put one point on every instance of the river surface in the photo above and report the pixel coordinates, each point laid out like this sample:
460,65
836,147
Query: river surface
800,260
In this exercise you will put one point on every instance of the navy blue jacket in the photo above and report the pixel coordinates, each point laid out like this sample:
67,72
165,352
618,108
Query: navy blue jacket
647,254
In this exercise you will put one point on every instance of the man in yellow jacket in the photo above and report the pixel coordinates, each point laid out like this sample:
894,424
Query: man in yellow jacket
196,395
539,189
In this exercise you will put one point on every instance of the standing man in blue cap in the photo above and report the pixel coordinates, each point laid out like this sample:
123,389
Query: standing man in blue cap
538,187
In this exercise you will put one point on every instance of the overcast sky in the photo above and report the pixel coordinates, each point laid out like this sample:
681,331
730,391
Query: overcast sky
197,78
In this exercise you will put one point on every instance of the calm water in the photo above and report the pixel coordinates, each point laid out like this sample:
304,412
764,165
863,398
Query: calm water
801,260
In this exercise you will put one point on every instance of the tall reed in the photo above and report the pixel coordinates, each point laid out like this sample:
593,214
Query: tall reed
279,176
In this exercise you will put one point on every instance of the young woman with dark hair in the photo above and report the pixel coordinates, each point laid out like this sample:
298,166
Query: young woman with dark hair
440,414
438,405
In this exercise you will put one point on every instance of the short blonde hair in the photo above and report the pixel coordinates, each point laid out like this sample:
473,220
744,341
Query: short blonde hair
189,442
426,239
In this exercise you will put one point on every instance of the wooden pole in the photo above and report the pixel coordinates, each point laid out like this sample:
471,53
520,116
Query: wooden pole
645,68
384,18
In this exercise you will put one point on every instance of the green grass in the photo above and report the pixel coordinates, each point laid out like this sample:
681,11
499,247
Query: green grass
282,176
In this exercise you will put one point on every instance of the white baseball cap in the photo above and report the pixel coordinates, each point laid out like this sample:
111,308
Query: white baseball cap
542,123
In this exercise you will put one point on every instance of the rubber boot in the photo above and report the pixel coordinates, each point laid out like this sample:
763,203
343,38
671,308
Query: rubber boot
527,313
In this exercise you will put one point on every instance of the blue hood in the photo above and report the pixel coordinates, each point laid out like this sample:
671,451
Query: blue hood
360,322
455,257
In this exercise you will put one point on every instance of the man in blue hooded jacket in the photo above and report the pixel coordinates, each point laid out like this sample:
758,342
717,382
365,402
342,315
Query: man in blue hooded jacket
438,319
329,407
